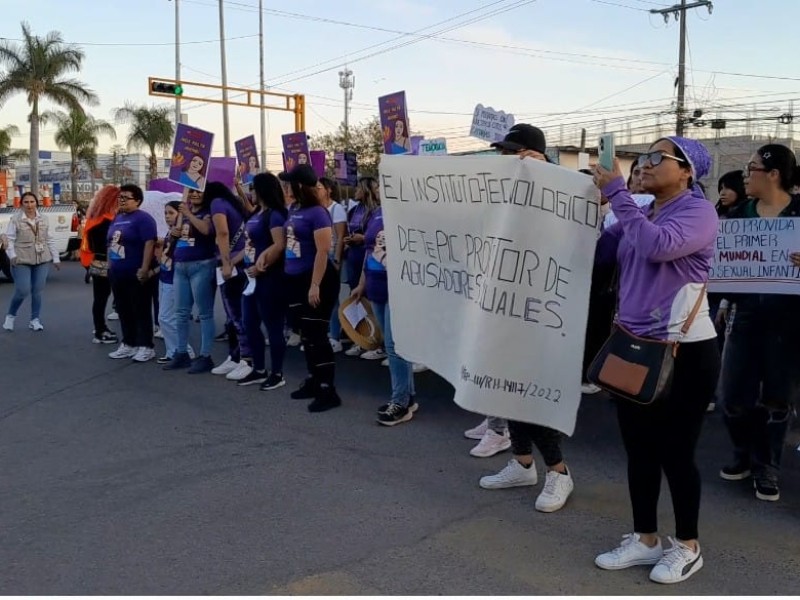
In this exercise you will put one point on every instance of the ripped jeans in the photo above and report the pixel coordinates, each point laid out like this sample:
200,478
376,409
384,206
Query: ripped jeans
760,385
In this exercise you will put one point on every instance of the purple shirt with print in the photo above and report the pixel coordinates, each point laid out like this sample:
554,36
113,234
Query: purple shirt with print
259,237
193,245
220,206
659,259
375,278
300,246
166,273
127,236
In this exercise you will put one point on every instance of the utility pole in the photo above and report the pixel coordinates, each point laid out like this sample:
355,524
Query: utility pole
347,82
261,85
226,133
177,61
679,12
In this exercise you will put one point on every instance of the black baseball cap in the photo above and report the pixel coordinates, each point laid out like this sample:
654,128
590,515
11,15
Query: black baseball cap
303,174
523,137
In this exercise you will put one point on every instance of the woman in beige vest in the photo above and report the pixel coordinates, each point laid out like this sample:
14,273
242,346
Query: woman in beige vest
31,249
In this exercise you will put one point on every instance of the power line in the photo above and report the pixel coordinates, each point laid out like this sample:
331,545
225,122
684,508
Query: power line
141,44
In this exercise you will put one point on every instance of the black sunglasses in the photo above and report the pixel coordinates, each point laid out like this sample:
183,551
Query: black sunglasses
656,157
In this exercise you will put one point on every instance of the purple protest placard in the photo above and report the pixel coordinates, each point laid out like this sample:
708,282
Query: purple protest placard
394,123
346,167
247,155
295,150
318,162
191,152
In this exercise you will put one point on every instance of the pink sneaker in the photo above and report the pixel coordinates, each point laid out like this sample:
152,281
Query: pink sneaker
491,443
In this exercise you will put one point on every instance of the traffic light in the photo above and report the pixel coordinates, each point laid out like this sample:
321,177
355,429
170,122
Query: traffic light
160,87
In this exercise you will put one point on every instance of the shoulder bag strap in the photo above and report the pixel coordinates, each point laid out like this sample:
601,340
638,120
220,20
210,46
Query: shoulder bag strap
693,315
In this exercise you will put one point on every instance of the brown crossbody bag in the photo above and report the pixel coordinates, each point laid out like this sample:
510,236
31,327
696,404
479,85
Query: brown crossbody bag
636,368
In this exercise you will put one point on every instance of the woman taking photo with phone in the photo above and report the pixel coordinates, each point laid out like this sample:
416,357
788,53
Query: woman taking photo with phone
664,252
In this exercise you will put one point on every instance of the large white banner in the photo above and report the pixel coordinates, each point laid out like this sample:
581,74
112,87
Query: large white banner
752,256
489,262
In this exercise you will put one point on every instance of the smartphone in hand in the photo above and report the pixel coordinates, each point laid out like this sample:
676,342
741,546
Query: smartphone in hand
606,151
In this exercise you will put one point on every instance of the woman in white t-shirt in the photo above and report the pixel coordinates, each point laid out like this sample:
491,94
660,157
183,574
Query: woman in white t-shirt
330,200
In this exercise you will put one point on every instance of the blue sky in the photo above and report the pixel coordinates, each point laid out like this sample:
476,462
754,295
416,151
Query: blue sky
591,59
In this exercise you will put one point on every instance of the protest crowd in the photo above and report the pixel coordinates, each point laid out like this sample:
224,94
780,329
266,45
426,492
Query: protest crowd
291,257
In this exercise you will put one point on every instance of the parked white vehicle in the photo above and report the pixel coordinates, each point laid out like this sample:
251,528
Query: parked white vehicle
63,221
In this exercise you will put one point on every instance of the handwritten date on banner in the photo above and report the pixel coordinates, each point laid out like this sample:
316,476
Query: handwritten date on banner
524,389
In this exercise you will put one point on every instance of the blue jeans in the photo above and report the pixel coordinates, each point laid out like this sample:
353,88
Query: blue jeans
194,285
400,370
267,305
29,280
167,316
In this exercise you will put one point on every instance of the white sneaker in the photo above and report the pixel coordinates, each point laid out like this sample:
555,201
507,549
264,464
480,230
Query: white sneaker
113,316
590,389
8,324
630,553
225,367
355,350
241,371
157,333
476,433
512,475
377,354
36,325
712,406
491,443
418,368
124,351
144,354
294,340
336,345
557,489
678,564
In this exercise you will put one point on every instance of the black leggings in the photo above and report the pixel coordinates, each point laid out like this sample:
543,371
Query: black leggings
663,437
101,290
314,322
525,435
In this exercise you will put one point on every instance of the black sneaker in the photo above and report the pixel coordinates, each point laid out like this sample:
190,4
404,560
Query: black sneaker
253,378
767,488
107,337
164,360
222,337
413,406
274,381
181,360
736,472
394,415
201,364
326,399
308,389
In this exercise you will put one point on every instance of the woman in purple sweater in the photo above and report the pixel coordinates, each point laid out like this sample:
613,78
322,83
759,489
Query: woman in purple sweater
664,251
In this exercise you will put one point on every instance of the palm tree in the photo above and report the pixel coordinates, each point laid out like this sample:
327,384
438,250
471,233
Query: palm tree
6,133
38,67
79,132
151,128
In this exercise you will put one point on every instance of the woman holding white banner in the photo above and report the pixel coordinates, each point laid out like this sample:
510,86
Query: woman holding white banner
760,378
664,252
527,141
375,283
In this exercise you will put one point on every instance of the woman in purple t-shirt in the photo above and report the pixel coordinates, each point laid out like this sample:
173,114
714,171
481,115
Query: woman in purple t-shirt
193,278
312,285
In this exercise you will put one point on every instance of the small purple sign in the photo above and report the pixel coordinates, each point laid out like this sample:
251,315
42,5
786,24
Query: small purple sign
191,152
318,162
247,155
295,150
223,169
394,123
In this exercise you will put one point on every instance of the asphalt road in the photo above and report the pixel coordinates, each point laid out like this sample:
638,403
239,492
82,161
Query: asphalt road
119,478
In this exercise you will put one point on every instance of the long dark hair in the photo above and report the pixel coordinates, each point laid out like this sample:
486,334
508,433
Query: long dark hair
305,195
269,193
216,189
734,181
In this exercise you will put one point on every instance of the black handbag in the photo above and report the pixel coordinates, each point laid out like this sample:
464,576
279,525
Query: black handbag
636,368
